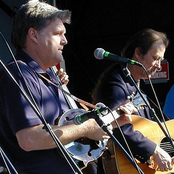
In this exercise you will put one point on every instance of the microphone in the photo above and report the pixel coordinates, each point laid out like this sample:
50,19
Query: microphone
83,117
100,53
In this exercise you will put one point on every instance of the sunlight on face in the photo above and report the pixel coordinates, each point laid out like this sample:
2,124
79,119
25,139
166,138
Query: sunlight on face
152,60
51,42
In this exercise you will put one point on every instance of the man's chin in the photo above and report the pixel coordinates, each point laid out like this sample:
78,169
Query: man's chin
151,72
59,60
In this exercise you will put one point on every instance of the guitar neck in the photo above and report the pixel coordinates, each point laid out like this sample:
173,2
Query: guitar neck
110,117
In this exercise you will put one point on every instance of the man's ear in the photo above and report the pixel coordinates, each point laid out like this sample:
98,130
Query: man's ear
32,33
137,53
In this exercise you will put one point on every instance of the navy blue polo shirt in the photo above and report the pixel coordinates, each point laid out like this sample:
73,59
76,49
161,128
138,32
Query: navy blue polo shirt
114,89
16,113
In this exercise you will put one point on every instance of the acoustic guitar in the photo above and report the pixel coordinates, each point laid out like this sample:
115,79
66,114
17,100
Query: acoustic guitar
117,163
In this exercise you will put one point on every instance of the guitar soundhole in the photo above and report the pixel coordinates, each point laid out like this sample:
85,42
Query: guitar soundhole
166,146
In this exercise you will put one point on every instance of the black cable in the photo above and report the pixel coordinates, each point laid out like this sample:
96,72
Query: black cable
151,110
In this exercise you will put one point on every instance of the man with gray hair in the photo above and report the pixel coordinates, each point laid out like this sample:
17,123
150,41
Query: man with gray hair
38,34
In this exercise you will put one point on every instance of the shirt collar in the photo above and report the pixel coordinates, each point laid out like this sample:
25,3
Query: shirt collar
21,55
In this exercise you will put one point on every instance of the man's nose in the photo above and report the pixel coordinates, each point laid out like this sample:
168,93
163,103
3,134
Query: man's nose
158,64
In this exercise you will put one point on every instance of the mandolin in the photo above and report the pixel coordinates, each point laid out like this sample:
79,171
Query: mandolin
85,150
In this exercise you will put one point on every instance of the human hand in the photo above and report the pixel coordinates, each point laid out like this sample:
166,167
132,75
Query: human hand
128,108
123,119
126,111
63,76
94,131
161,160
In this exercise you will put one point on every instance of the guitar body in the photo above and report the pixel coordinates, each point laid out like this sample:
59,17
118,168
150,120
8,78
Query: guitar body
152,131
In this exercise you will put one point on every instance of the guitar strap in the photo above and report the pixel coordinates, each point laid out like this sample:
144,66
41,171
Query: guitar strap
83,103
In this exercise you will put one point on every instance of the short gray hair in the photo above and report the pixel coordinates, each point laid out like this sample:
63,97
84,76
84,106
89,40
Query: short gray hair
37,15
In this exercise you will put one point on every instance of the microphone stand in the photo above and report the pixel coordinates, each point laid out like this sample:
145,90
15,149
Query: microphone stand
7,162
104,127
47,127
152,112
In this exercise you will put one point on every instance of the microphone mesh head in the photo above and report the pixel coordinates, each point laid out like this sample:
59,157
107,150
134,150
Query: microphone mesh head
98,53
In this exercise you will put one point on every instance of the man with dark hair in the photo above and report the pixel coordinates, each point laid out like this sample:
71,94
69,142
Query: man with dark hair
147,47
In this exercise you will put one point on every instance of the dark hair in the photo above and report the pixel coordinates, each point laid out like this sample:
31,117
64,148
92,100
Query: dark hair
34,14
143,40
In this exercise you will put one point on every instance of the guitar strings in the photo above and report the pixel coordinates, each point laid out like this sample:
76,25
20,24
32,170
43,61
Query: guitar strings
167,147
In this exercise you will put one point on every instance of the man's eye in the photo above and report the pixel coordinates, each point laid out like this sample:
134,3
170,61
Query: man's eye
155,57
